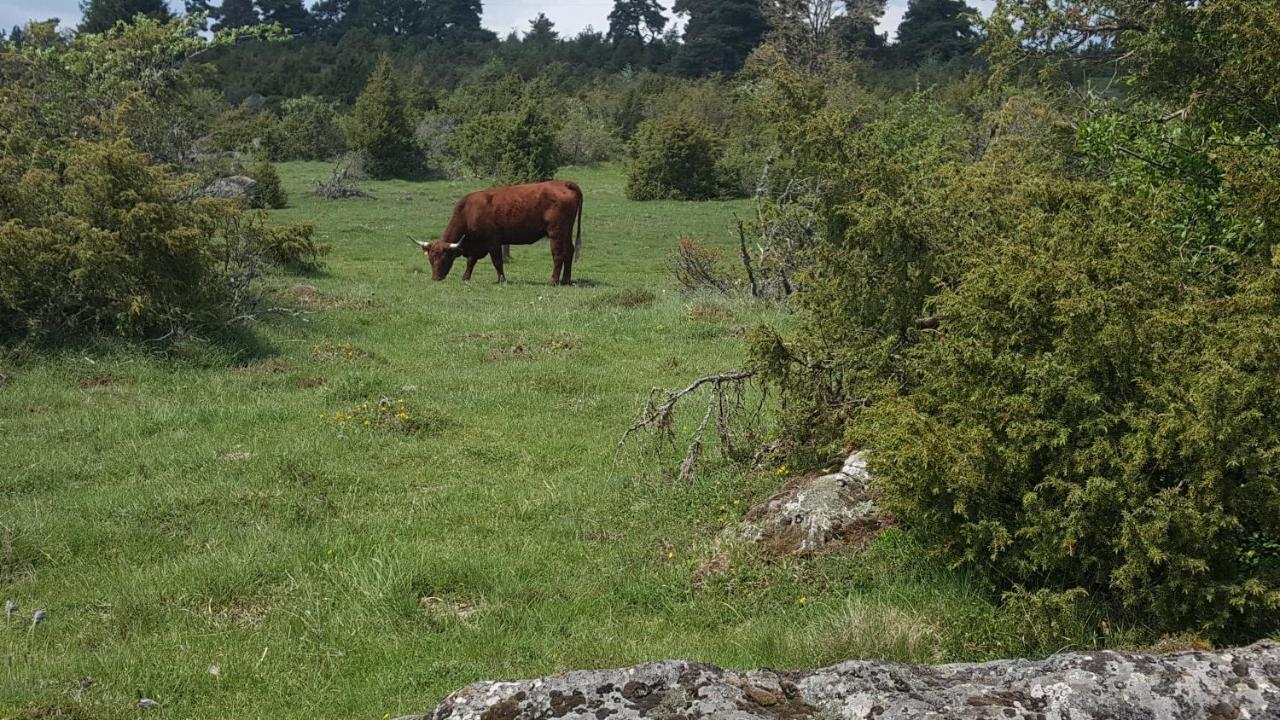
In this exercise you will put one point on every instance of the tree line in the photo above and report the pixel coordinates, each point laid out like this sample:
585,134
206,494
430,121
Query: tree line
717,37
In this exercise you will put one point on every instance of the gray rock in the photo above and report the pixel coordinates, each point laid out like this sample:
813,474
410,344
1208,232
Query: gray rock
1239,683
236,186
809,513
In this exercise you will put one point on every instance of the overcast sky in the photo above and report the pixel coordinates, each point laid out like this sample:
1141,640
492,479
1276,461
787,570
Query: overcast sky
501,16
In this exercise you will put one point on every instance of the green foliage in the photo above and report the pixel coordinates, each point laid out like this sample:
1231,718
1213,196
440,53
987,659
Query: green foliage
675,157
718,35
308,130
512,147
936,30
583,138
95,236
269,191
241,130
379,127
1054,324
102,15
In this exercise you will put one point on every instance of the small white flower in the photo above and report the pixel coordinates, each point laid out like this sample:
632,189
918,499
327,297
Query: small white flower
147,703
215,669
10,607
39,617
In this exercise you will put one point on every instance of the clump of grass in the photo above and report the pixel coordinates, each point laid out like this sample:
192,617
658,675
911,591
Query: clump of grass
861,630
708,311
385,414
623,298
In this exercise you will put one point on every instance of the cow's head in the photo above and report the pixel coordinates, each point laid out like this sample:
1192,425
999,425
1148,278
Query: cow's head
441,255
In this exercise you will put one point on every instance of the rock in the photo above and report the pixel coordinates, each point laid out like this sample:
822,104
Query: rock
236,186
1073,686
810,513
254,103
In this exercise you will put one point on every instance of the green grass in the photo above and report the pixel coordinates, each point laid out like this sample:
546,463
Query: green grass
204,508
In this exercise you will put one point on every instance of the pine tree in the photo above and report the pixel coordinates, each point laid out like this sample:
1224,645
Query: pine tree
541,31
102,15
379,126
937,29
291,14
719,35
636,19
235,14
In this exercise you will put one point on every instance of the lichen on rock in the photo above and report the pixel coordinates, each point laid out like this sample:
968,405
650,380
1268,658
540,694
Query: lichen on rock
1239,683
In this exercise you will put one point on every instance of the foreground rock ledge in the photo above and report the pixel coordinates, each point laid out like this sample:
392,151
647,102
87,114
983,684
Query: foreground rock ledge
1240,683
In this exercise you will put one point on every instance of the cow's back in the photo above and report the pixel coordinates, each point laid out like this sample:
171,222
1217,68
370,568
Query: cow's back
518,214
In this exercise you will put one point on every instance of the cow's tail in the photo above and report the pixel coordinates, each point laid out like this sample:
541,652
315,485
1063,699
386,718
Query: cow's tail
577,243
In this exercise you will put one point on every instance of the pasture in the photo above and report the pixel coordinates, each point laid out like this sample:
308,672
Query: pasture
219,529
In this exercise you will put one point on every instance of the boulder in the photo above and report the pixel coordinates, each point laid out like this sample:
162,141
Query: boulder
1239,683
816,512
236,186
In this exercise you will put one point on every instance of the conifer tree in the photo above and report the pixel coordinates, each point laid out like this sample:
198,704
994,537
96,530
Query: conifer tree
102,15
379,126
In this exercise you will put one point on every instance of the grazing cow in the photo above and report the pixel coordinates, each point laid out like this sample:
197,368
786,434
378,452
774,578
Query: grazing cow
484,222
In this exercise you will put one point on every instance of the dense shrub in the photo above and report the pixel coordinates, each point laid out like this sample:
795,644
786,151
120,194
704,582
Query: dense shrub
584,139
270,191
241,130
95,235
434,137
675,157
108,248
1086,426
309,129
514,147
379,127
1055,328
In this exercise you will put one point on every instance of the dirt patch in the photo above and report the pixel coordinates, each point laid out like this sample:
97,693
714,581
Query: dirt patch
340,352
312,382
440,609
709,312
272,367
243,613
515,352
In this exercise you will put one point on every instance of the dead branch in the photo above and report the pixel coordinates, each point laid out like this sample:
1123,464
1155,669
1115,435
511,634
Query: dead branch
726,396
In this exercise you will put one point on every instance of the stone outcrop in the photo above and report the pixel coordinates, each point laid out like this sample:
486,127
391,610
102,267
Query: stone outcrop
1239,683
811,513
236,186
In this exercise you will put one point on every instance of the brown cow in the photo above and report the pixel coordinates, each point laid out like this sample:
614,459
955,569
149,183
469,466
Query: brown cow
485,221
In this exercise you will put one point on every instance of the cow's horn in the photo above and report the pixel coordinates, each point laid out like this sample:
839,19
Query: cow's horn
418,243
455,246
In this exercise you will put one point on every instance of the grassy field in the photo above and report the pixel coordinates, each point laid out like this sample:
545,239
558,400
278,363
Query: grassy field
218,529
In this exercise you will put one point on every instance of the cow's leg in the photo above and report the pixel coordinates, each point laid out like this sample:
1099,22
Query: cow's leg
471,264
496,256
506,252
562,256
557,263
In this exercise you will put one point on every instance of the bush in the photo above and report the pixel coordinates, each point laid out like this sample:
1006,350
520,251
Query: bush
309,130
240,130
379,127
698,266
516,147
675,157
583,139
435,137
112,250
269,192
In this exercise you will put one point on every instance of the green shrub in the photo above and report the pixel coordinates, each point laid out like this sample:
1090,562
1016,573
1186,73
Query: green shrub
309,129
240,130
112,250
583,139
515,147
269,192
379,127
675,157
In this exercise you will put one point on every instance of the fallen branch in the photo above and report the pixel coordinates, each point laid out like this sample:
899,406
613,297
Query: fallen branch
659,412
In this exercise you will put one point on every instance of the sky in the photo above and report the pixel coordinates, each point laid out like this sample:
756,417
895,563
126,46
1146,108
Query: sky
501,16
